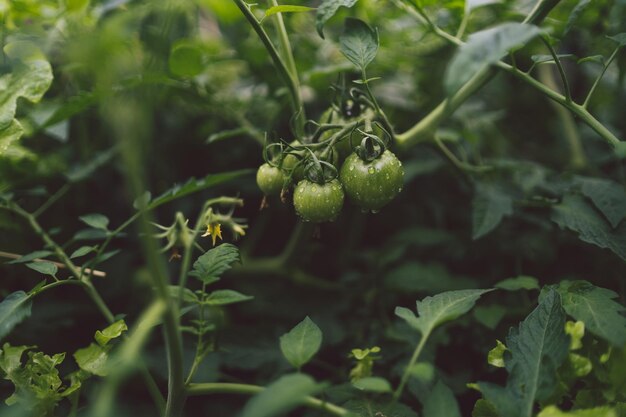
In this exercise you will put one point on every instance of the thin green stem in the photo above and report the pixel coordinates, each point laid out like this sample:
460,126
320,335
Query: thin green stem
463,166
98,301
577,109
291,83
578,159
407,371
597,81
53,199
285,45
425,128
247,389
559,65
461,30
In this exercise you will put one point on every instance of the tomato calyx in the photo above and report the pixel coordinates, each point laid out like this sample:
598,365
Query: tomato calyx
371,147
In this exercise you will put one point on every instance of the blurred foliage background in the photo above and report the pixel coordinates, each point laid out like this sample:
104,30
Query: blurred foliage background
148,87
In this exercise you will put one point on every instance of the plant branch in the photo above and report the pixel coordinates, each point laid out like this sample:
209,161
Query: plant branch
597,81
280,65
559,65
407,370
248,389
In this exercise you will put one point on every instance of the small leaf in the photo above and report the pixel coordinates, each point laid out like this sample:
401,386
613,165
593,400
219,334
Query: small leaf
574,15
93,359
97,221
620,38
38,254
593,58
287,8
112,331
327,9
597,308
489,206
142,201
373,384
11,357
608,197
281,396
522,282
496,355
210,266
358,43
542,59
225,297
441,403
440,308
82,251
301,343
578,215
44,267
186,60
13,309
485,48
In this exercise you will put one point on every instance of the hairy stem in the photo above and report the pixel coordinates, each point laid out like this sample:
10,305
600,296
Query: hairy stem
407,370
597,81
280,65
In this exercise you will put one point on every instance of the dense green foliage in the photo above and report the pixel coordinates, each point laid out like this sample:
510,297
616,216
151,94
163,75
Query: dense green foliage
441,185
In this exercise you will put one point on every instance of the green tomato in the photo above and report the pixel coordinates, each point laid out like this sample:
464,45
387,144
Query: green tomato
270,179
318,202
372,185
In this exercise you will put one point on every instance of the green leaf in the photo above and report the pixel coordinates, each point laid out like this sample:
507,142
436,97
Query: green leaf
593,58
193,185
44,267
441,402
97,221
38,254
372,384
522,282
301,343
537,348
608,197
210,266
93,359
597,308
287,8
483,49
484,408
327,9
496,355
576,214
620,38
440,308
358,43
82,251
490,315
29,80
13,309
489,206
225,297
574,15
553,411
11,357
85,170
544,59
281,396
112,331
186,59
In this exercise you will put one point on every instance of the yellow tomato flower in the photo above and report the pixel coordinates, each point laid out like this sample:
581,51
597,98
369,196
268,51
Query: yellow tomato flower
214,230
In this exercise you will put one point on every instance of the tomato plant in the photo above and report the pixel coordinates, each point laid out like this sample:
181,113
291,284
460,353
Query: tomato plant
441,231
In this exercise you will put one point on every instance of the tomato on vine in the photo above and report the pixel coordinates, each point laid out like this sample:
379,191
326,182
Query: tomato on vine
372,176
270,179
319,197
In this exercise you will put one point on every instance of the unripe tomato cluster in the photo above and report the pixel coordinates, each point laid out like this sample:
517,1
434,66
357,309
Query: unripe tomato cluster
369,182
